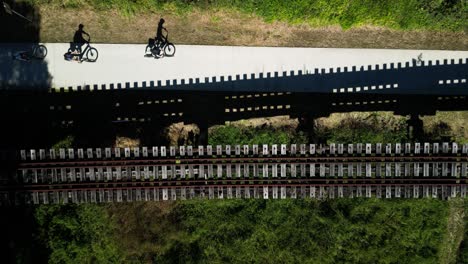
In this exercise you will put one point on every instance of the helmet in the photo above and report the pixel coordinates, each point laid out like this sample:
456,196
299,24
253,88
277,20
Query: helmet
81,26
162,20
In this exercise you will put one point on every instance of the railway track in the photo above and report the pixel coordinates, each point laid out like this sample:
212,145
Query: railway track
438,170
223,191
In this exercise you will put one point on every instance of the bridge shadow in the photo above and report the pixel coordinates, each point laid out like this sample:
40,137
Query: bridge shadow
98,114
17,225
97,118
17,74
20,81
18,35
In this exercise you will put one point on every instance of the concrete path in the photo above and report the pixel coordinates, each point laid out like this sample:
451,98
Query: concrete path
126,63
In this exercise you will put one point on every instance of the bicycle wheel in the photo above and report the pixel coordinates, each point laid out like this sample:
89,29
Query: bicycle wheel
169,50
92,54
40,52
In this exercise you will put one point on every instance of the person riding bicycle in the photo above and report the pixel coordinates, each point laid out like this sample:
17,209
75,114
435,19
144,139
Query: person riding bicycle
78,39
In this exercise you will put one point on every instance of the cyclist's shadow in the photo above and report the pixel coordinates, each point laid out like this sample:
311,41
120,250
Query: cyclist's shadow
76,51
81,52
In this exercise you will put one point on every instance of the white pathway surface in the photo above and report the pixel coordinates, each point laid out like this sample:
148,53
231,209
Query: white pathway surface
126,63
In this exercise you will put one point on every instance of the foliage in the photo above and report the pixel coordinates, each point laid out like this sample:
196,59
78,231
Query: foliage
229,134
304,231
77,233
151,231
462,256
283,231
67,142
253,231
400,14
372,129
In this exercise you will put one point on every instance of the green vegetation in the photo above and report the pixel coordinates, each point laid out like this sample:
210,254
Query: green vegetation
66,142
247,231
398,14
455,231
363,127
462,254
77,233
447,126
372,128
225,135
303,231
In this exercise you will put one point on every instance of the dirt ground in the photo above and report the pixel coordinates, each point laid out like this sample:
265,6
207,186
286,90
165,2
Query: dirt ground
454,124
284,122
180,134
126,142
232,28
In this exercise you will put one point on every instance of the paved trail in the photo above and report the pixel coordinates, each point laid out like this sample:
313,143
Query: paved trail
126,63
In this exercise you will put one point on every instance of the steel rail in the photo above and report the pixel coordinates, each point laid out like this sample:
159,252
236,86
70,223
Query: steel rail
240,185
235,160
236,182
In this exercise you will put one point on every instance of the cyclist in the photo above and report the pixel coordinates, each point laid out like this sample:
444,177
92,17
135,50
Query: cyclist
78,38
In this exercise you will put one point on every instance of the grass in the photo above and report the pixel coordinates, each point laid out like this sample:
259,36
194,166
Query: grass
309,231
447,126
373,127
397,14
338,128
455,231
65,143
247,231
462,254
300,23
225,135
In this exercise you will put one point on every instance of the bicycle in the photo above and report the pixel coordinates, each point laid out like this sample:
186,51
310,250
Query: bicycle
159,49
89,52
37,51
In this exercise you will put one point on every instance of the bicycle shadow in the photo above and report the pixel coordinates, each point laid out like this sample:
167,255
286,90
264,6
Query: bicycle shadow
159,50
20,72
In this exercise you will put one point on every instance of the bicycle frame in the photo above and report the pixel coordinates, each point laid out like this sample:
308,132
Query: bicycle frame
85,50
158,47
